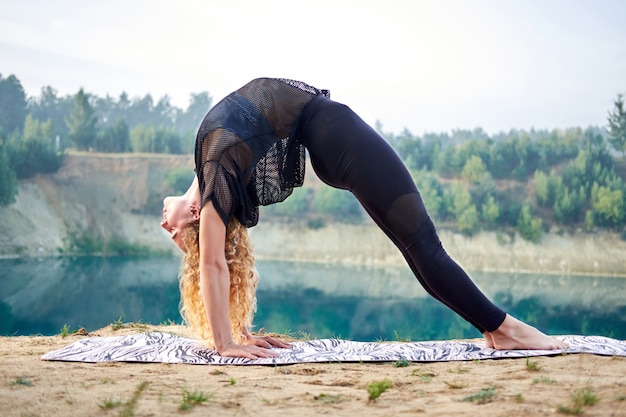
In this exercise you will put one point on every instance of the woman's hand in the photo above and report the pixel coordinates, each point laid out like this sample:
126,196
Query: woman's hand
246,351
254,347
266,342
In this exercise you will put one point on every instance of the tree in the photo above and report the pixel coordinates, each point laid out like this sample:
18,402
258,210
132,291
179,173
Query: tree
190,119
12,104
464,209
8,181
542,189
114,138
48,106
617,125
81,122
339,203
296,204
569,204
528,226
153,139
474,169
179,179
34,151
490,211
431,191
607,205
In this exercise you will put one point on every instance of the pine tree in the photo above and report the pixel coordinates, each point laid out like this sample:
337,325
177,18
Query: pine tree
617,125
81,122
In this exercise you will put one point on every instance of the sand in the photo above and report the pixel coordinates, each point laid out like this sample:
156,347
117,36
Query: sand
561,385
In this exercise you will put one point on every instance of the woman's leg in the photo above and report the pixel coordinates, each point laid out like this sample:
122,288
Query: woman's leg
347,153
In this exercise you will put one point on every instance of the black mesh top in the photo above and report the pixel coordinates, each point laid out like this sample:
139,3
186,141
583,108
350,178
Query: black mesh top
246,153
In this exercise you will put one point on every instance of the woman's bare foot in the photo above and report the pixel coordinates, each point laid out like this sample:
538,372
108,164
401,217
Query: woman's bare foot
488,340
514,334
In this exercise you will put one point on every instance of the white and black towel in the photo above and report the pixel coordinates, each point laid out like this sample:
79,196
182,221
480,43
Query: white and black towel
168,348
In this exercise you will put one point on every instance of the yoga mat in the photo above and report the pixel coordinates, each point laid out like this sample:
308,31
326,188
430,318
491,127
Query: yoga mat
169,348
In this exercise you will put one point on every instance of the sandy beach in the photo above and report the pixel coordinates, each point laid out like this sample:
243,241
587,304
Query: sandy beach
575,384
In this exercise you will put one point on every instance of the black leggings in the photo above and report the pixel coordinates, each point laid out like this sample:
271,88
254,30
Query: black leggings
347,153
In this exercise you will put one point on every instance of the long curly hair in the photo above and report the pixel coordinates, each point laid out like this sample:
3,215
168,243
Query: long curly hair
243,281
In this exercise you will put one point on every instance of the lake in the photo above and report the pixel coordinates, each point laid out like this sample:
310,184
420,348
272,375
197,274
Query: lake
40,296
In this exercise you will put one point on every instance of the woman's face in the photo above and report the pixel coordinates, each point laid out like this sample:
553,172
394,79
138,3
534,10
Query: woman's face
178,212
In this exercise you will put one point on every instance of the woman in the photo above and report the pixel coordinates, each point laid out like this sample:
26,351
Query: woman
250,152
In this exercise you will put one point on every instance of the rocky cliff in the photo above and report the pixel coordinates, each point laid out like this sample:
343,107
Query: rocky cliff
119,197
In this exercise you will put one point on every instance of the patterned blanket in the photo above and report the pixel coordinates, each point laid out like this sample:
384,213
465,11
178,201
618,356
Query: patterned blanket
168,348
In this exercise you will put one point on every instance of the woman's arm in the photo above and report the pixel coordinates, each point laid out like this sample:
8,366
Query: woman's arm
215,287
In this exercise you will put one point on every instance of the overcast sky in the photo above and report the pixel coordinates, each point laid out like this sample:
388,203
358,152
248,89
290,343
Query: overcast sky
429,66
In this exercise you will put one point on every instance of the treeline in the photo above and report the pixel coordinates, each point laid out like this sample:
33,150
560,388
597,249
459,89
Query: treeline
36,131
524,181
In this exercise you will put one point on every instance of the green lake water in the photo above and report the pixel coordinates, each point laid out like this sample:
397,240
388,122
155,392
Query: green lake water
40,296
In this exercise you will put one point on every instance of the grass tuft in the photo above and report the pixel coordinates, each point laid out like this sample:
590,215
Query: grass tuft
400,338
544,380
402,363
22,380
425,376
582,397
532,366
585,396
483,396
65,331
376,388
129,406
191,399
109,404
455,384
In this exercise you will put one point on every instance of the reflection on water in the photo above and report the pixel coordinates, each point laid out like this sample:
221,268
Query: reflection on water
40,296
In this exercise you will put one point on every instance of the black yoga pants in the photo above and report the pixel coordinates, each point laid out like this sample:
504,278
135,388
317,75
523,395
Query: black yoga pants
347,153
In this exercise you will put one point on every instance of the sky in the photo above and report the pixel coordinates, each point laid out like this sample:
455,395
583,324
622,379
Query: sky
424,65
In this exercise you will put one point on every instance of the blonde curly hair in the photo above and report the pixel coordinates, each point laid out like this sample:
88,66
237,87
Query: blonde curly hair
243,282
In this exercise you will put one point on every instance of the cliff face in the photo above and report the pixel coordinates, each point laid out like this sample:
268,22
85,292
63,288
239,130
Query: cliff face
103,195
120,196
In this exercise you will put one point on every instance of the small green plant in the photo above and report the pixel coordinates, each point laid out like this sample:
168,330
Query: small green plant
532,366
519,398
130,405
400,338
585,396
580,398
481,397
117,324
304,336
376,388
22,380
191,399
544,380
65,331
458,371
455,384
109,404
267,401
402,363
425,376
232,381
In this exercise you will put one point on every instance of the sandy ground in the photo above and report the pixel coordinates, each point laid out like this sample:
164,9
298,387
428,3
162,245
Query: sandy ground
561,385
